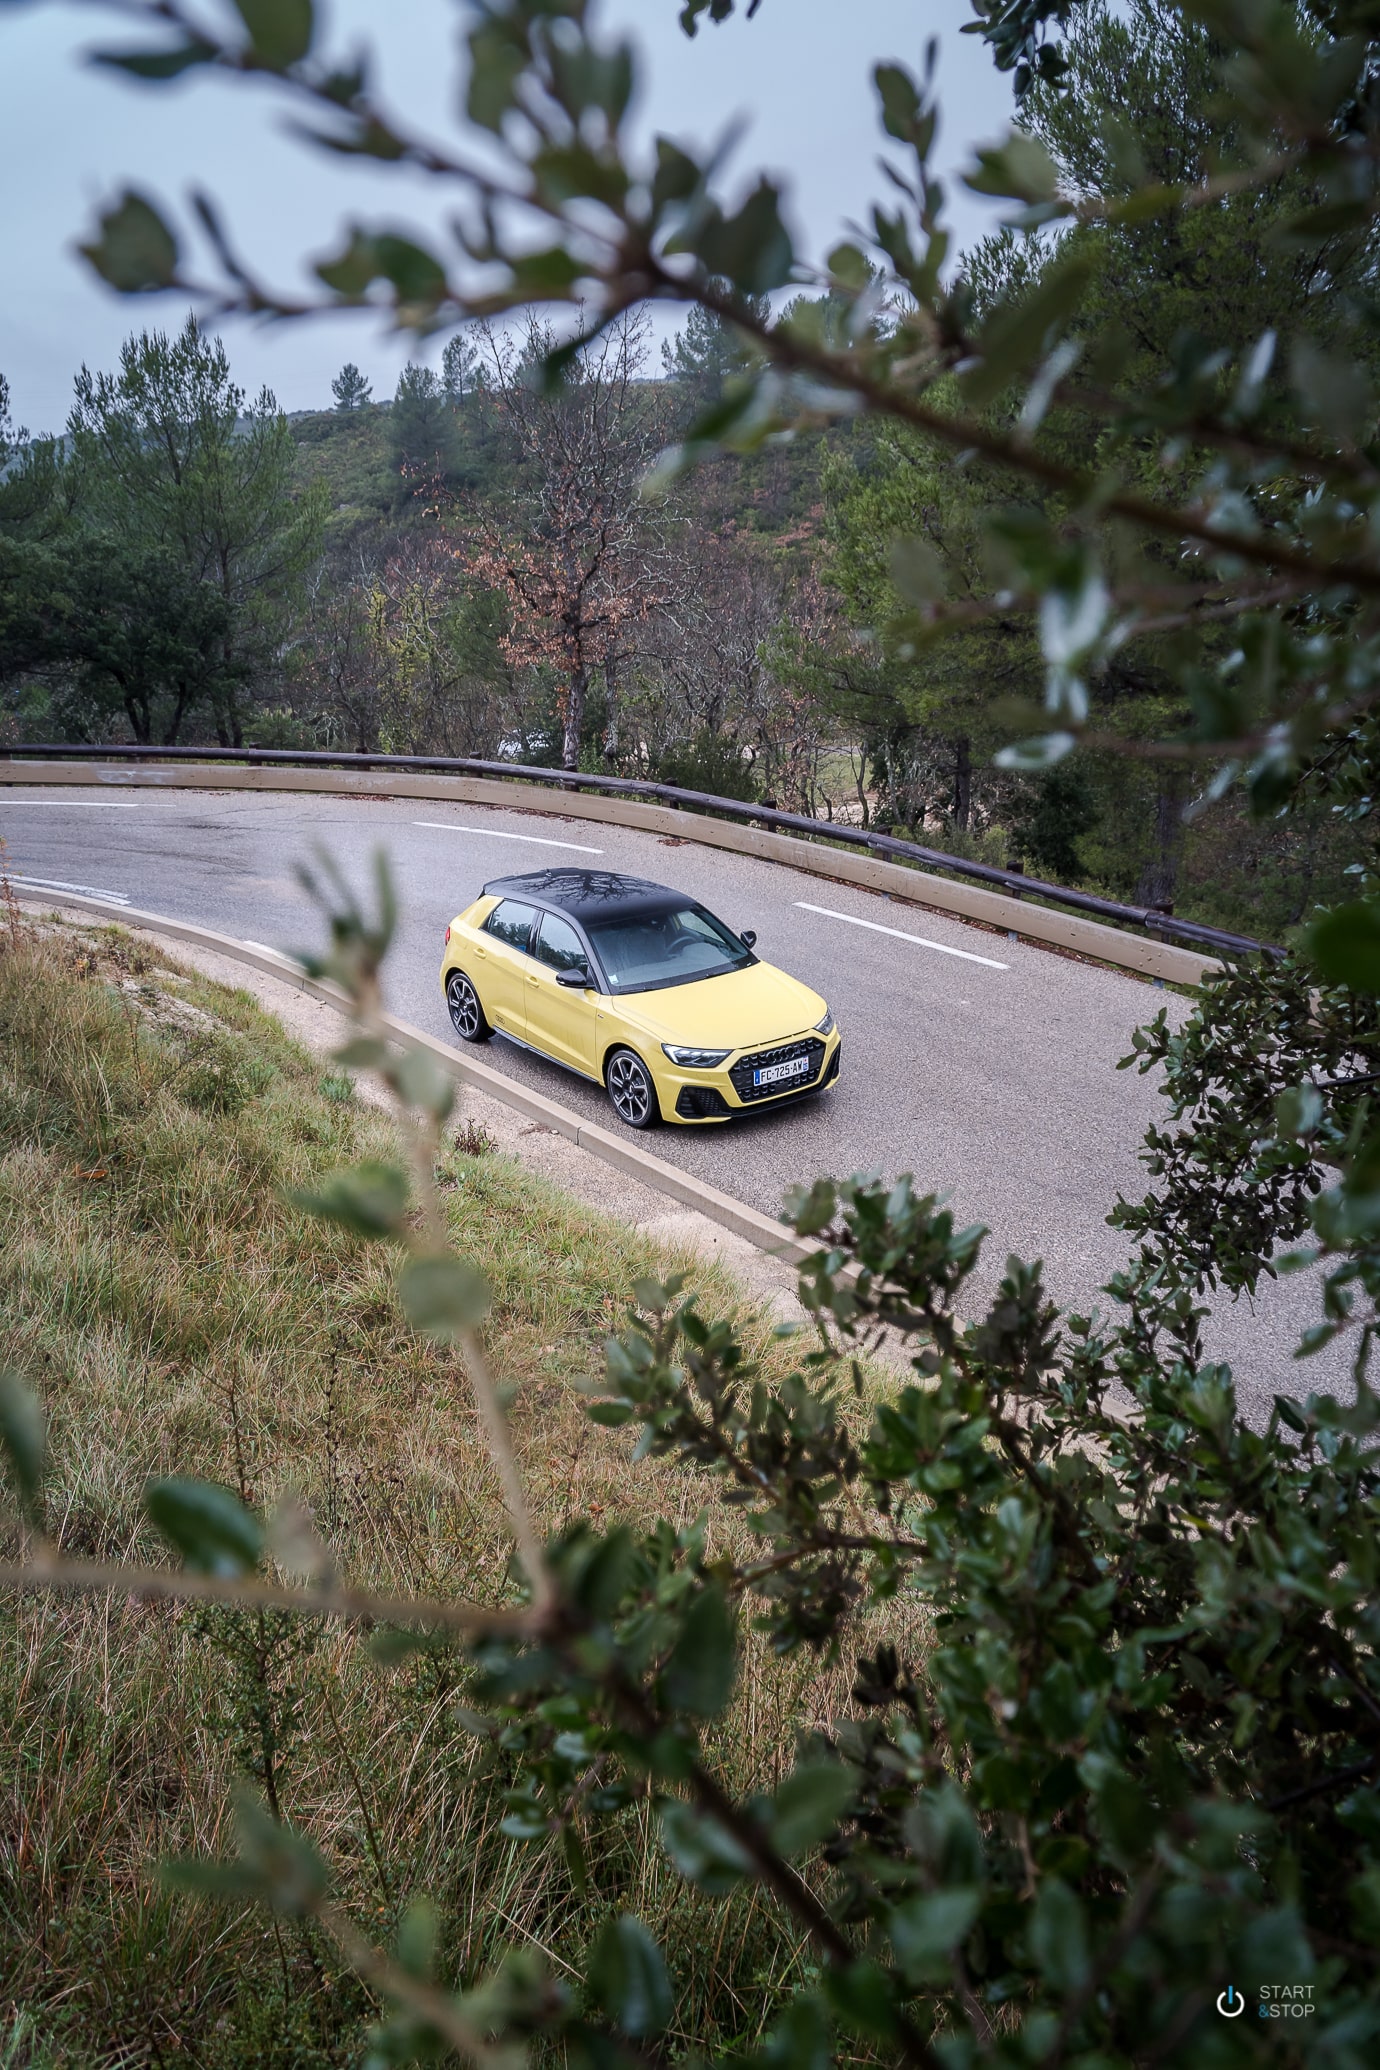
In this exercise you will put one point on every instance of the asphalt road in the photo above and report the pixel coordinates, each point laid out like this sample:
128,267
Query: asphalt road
985,1066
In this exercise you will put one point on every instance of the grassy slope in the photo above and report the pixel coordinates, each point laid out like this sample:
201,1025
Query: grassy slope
177,1313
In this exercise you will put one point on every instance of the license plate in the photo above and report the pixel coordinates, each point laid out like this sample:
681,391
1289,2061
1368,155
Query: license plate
798,1067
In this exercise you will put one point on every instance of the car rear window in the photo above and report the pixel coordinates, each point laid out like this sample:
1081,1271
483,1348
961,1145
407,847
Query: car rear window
679,946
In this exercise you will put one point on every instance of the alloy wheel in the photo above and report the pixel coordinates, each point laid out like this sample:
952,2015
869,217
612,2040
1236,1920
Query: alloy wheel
465,1010
630,1089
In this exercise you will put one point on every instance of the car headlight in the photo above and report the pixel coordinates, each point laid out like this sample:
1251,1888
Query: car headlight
697,1059
826,1026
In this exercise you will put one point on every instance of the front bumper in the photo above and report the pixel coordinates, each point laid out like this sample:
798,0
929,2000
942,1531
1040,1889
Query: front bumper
697,1097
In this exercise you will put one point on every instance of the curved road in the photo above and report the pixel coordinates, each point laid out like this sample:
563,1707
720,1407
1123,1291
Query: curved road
985,1066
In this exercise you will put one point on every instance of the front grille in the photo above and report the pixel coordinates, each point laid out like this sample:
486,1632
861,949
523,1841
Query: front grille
741,1074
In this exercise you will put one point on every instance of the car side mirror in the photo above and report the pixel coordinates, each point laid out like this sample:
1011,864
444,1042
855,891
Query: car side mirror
574,980
748,938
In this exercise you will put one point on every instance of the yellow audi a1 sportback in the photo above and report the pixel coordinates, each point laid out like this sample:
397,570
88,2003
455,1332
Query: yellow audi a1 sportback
640,989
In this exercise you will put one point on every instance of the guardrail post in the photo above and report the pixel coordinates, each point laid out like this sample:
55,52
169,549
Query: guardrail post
1017,869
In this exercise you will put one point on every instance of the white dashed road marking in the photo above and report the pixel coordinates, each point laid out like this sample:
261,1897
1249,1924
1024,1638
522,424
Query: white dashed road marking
445,826
921,941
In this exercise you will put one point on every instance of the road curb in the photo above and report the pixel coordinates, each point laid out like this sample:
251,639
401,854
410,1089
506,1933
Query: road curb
1091,938
668,1179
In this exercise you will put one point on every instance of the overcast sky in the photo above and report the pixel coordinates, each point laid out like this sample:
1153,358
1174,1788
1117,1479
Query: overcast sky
71,134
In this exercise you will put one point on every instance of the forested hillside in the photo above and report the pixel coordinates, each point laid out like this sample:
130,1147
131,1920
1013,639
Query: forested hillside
474,566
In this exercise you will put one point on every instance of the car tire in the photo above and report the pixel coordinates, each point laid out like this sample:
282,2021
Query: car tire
467,1016
631,1090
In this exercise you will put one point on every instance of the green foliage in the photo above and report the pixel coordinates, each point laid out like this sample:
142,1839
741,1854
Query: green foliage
708,762
1128,475
1049,820
350,389
209,1526
151,571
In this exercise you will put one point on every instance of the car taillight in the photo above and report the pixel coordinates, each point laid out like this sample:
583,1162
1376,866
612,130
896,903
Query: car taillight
447,934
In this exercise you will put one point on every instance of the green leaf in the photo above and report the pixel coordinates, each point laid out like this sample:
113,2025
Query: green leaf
900,99
371,1199
418,278
677,177
861,1996
419,1081
1345,945
704,1853
550,273
751,250
917,573
443,1296
21,1434
417,1935
497,61
274,1864
280,31
703,1666
1332,390
808,1805
801,2037
628,1978
157,64
362,1053
1018,331
209,1526
355,269
1021,169
1030,756
136,252
1059,1936
927,1928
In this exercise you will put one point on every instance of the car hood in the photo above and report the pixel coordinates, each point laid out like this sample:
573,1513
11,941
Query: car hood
740,1010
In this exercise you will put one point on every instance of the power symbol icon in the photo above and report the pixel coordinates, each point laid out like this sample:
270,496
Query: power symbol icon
1230,2003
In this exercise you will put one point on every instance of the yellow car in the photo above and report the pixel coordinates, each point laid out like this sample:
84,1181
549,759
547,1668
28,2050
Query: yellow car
640,989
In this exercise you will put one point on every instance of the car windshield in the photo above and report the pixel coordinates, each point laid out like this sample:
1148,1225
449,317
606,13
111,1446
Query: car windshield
643,951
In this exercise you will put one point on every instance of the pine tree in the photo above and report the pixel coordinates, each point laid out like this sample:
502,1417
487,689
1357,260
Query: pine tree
460,368
350,389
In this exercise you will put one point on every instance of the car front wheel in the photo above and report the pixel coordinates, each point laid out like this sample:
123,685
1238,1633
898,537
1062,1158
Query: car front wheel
631,1090
466,1014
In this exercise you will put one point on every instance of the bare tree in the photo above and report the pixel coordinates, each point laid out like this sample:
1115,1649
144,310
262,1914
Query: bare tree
576,555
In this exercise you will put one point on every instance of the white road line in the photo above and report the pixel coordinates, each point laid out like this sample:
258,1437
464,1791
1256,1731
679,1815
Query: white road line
80,804
446,826
921,941
111,898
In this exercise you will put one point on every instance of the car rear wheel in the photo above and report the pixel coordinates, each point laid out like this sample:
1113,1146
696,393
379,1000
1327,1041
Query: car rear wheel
466,1014
631,1090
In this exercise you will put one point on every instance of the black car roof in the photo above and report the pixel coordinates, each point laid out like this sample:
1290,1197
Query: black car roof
588,895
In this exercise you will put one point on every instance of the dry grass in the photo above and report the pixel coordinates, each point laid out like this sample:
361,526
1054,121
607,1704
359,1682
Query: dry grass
177,1313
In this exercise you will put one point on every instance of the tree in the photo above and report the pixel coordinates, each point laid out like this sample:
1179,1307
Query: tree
421,431
708,351
186,489
350,389
573,554
461,368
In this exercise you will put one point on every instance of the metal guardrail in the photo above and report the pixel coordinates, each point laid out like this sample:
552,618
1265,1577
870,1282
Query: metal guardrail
1166,926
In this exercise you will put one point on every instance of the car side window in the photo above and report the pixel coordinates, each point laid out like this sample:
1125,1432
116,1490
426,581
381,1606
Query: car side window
512,923
559,946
